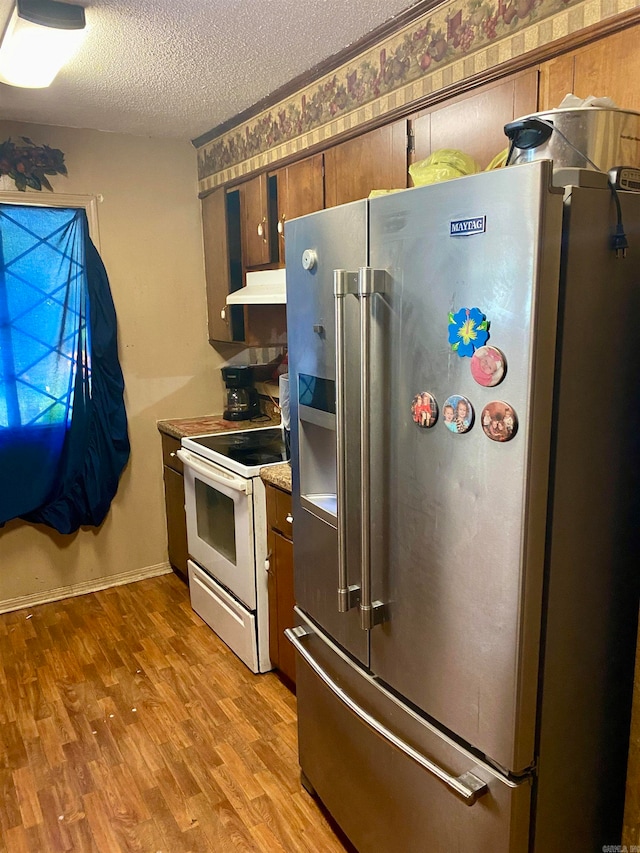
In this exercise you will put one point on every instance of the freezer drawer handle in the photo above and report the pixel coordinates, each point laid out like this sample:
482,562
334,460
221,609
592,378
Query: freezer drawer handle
468,786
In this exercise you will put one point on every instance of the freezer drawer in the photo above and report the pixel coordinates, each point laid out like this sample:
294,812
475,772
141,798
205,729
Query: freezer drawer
233,623
383,799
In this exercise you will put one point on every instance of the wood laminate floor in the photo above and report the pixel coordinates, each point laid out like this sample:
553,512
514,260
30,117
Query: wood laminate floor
127,725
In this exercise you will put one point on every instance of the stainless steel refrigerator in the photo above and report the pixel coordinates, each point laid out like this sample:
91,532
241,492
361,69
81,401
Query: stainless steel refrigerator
464,383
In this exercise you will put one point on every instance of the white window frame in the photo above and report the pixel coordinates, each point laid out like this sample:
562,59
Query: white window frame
88,202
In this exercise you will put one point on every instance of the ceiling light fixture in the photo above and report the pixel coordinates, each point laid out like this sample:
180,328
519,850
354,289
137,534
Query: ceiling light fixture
41,36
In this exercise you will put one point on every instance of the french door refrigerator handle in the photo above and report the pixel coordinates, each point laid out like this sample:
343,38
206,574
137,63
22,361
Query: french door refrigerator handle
344,283
468,786
370,282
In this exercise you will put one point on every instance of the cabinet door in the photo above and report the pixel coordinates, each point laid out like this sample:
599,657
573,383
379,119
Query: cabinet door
170,447
300,189
176,521
216,259
474,123
281,597
284,520
376,160
556,80
286,601
255,222
609,66
272,590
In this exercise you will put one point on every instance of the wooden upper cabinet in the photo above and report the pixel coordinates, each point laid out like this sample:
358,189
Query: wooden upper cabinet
376,160
254,206
300,190
609,67
216,260
556,80
474,122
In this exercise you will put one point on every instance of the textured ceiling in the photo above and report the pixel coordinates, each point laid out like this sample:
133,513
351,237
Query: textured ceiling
181,67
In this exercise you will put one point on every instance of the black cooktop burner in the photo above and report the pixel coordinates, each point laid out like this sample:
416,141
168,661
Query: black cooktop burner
249,447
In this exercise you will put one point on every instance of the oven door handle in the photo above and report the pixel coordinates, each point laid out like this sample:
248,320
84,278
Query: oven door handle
205,469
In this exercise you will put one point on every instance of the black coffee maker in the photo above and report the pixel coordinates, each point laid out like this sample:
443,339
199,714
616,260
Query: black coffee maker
242,399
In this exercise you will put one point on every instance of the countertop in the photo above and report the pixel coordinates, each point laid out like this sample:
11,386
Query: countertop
181,427
277,475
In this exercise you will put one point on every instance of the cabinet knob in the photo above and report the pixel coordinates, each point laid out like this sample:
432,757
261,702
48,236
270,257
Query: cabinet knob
223,314
262,229
289,518
172,453
281,225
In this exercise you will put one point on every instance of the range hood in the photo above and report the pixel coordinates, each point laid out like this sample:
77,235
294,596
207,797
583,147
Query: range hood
265,287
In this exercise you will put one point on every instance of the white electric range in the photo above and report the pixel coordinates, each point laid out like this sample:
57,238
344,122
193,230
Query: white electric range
227,535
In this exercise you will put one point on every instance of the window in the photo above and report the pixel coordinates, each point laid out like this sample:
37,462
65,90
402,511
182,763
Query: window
63,428
43,328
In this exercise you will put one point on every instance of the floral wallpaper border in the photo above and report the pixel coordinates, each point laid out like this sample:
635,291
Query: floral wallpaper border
456,40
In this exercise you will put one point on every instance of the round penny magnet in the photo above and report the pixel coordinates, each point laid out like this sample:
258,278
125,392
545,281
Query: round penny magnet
499,421
488,366
424,410
457,414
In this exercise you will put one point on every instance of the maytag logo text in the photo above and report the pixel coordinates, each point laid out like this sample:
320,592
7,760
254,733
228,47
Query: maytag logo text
461,227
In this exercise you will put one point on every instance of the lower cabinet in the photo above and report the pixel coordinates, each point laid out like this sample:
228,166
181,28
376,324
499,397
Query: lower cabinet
281,596
174,503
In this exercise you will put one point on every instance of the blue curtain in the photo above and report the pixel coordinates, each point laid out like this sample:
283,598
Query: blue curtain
63,426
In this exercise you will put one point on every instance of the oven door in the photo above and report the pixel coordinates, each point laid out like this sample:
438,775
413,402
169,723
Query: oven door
219,510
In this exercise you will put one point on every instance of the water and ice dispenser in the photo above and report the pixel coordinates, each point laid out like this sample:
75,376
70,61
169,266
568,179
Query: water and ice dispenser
317,437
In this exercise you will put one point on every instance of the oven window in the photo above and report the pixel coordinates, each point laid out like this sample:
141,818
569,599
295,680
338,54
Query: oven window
215,520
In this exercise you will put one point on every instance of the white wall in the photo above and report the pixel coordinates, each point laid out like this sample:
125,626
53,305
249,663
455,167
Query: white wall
151,244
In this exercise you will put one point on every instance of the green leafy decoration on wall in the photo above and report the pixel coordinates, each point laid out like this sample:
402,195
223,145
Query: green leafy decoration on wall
28,164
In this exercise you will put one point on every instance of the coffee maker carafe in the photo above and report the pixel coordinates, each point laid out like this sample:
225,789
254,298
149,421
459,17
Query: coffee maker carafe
242,400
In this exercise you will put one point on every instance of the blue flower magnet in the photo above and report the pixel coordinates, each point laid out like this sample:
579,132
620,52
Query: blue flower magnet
468,330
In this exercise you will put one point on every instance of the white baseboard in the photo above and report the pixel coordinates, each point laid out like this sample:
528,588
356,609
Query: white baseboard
83,588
